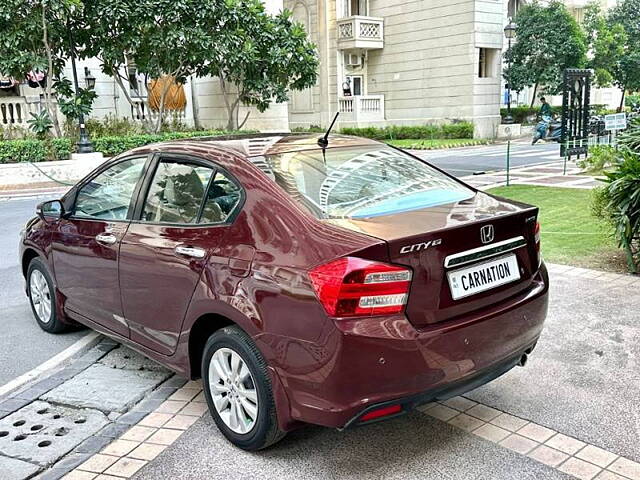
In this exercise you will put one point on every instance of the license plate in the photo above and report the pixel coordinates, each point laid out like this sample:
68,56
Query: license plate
484,276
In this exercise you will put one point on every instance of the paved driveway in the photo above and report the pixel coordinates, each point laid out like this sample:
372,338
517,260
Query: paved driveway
461,162
581,382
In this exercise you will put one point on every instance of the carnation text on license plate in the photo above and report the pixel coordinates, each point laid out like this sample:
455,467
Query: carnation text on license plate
484,276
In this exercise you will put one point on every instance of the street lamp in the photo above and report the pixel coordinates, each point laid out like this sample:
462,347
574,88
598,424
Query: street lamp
89,80
510,34
84,144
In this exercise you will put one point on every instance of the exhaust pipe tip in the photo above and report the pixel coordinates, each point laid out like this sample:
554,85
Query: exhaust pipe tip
523,360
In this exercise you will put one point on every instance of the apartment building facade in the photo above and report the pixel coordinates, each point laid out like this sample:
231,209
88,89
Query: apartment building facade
402,62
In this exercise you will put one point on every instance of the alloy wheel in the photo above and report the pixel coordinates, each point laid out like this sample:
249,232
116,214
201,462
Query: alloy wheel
233,390
40,296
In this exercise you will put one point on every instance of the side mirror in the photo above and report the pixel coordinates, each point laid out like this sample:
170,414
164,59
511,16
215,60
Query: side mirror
50,211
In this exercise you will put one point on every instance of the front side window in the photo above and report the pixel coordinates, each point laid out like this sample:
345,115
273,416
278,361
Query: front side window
176,193
361,182
108,195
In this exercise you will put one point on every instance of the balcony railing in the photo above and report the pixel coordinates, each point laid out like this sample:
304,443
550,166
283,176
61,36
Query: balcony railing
361,108
14,112
358,32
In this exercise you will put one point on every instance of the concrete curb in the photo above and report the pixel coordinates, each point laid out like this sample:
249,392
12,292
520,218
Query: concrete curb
85,343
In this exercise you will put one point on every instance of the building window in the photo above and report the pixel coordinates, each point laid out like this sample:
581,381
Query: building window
512,9
355,7
487,62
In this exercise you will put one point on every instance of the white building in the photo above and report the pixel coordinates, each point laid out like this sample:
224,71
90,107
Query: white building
406,63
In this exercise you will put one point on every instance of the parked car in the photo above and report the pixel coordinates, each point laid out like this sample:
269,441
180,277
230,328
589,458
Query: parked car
336,285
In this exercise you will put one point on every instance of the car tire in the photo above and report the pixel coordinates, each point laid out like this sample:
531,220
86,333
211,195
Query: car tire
230,394
42,298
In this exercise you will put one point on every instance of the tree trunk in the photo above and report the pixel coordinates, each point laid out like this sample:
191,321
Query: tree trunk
535,92
621,108
163,95
232,118
135,105
51,109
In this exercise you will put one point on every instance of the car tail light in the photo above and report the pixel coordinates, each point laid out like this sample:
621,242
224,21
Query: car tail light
352,287
536,237
381,412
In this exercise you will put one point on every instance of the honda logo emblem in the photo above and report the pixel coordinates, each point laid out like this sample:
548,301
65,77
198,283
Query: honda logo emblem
487,234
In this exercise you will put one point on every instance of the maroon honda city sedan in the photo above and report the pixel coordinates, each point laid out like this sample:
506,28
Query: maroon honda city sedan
334,283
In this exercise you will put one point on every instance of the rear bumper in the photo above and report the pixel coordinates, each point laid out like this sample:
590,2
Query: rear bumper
368,363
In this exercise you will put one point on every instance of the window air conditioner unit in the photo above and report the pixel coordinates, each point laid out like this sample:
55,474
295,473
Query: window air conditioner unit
352,60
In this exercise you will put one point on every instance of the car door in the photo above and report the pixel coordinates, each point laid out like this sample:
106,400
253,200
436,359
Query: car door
184,214
86,245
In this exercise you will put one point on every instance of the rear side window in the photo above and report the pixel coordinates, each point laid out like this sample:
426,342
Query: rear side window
176,193
361,182
222,198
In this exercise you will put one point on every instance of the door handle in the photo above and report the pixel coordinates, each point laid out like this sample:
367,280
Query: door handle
190,252
106,238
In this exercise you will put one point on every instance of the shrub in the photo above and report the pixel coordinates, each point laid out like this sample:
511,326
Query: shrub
527,115
32,150
419,132
29,150
601,157
621,205
631,100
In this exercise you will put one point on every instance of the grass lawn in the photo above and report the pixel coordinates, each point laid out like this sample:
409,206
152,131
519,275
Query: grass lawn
427,144
571,235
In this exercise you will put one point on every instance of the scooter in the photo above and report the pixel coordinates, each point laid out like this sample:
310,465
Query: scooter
548,129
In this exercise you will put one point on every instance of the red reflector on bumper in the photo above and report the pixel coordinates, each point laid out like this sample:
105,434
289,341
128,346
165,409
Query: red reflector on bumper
381,412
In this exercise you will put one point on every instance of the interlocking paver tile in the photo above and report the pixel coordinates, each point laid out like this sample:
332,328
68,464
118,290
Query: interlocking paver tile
491,432
565,443
626,467
548,456
596,455
98,463
466,422
442,412
519,444
536,432
126,467
483,412
509,422
580,469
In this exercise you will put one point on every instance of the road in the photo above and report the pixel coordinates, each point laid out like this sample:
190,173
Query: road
24,346
461,162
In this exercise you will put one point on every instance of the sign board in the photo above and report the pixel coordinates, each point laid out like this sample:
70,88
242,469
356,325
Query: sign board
616,121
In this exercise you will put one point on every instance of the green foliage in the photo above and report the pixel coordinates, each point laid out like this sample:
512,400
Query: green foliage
614,42
527,115
622,207
30,150
110,146
396,132
40,124
601,158
631,100
549,40
73,105
630,138
258,57
33,150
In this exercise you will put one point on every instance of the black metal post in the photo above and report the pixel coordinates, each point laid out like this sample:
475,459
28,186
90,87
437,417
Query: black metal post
509,118
84,143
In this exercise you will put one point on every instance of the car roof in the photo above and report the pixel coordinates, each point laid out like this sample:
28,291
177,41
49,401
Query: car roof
254,145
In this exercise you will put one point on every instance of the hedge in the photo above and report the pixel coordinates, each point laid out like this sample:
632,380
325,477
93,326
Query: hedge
32,150
430,132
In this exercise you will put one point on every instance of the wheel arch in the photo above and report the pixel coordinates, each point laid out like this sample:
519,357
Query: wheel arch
28,255
204,326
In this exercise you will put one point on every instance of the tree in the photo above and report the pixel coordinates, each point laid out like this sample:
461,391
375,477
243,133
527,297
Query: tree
259,58
32,35
167,38
614,45
548,41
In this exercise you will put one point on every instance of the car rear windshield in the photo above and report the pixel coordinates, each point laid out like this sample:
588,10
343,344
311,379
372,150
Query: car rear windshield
360,182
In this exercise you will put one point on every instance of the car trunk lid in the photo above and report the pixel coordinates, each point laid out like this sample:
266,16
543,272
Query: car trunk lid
438,241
